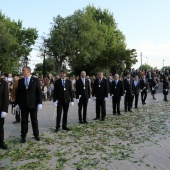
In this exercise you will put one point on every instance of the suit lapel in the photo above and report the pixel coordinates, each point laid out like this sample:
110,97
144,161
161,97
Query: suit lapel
30,83
81,82
86,82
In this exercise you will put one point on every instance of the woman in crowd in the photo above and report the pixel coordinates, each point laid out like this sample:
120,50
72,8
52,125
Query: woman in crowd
12,99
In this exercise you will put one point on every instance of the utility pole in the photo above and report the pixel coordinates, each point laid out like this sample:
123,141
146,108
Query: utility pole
141,60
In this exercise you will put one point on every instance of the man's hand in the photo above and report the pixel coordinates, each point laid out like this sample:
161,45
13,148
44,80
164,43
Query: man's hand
55,103
105,99
93,98
17,108
72,103
39,106
121,97
3,114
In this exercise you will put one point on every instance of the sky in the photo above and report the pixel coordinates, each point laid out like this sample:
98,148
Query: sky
145,23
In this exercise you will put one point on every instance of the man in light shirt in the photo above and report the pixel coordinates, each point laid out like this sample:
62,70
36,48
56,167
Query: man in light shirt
29,100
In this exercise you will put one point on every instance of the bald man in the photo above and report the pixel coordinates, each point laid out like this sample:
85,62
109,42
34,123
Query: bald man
82,96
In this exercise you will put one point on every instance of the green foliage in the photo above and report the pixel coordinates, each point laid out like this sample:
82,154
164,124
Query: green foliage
145,67
91,145
15,43
48,67
90,40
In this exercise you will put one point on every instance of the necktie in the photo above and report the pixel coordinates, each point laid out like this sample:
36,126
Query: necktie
63,83
26,82
116,82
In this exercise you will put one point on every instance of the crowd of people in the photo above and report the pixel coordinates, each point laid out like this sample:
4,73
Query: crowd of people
26,93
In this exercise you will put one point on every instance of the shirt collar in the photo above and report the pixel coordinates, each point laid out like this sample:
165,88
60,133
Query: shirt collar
28,77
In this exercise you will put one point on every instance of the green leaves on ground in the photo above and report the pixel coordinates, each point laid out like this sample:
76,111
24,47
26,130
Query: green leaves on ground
94,145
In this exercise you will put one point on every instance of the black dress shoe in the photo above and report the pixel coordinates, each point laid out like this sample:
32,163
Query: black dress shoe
119,113
37,138
23,140
96,118
81,122
85,121
15,122
3,146
103,119
114,113
66,128
57,130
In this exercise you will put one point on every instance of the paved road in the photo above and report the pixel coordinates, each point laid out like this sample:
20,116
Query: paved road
158,156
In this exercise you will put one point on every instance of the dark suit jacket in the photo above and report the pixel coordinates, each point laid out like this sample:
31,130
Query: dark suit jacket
128,86
4,96
153,84
144,84
80,89
117,90
63,95
30,97
102,91
136,89
165,86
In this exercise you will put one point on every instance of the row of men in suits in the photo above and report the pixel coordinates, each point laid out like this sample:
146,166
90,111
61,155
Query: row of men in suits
29,99
127,88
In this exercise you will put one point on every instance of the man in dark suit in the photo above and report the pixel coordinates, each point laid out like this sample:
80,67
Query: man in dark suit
165,88
82,96
4,101
144,86
128,93
135,91
116,93
29,100
100,94
62,96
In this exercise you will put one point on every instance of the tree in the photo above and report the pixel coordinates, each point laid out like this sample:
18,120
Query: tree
16,41
49,67
88,39
145,67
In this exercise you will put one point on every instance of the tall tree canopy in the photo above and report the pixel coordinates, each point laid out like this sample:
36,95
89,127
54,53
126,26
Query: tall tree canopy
16,42
90,40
